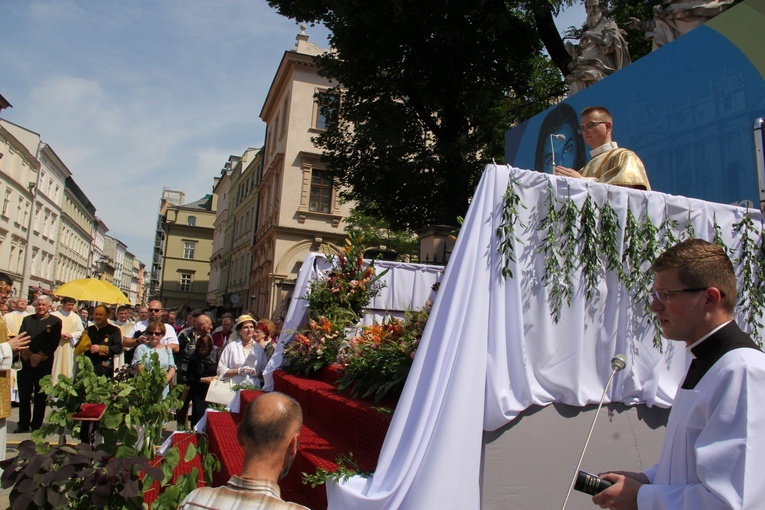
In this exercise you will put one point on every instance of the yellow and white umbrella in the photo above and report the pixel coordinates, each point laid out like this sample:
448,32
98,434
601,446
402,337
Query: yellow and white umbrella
92,289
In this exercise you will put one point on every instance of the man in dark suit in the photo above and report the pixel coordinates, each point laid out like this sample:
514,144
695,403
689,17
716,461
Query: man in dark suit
36,362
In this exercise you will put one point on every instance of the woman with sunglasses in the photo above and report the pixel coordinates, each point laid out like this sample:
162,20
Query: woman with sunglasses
154,332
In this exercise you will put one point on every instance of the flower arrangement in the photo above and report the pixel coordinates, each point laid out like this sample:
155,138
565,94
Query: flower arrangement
377,360
316,345
335,301
348,284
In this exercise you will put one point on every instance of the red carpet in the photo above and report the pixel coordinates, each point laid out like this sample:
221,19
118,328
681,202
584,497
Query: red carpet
333,424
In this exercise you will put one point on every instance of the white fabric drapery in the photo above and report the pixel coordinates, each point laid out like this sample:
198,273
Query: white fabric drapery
491,348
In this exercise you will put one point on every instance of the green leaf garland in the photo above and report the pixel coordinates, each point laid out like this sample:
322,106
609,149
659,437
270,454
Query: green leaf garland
591,235
588,240
506,230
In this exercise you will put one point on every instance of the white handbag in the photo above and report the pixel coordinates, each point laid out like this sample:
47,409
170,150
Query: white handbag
220,392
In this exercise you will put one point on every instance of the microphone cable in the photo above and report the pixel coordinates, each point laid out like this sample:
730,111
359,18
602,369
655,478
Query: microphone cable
618,362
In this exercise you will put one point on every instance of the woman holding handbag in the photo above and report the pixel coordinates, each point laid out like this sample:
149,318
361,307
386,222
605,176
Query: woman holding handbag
202,369
155,331
243,360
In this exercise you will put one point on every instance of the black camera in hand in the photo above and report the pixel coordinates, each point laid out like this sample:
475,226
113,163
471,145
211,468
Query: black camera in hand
590,484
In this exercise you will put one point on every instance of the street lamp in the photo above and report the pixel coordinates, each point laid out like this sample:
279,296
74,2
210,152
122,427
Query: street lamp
100,267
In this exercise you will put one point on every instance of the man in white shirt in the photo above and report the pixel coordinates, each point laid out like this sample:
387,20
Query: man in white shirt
714,441
155,312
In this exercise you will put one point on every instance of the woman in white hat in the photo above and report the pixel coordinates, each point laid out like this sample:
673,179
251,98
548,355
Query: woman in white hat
243,360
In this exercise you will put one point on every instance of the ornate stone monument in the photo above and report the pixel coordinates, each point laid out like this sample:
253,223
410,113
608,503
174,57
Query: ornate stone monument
601,51
673,18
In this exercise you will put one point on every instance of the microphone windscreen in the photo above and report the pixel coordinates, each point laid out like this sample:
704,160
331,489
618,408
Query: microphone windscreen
618,362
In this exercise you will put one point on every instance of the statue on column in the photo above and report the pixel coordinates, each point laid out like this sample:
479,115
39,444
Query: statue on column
602,49
673,18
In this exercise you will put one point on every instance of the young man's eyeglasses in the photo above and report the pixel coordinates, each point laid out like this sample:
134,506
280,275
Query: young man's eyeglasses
587,127
155,310
665,294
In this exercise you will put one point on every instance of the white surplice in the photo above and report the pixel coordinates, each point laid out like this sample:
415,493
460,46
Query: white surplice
714,441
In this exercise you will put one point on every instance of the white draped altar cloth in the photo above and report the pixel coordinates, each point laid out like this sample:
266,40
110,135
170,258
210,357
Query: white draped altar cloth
491,349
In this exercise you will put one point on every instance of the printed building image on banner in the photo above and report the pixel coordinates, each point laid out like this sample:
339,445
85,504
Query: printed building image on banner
687,109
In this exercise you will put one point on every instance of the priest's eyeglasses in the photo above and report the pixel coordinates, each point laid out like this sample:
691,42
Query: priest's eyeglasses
587,127
665,294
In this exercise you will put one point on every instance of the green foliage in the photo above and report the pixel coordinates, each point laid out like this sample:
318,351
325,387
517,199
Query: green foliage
112,475
346,469
752,298
554,278
335,301
377,232
172,493
318,344
589,239
546,87
569,220
506,230
610,228
77,477
136,408
68,395
424,99
621,11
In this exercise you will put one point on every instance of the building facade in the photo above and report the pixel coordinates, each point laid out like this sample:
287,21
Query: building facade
74,255
219,262
187,241
299,210
243,204
49,231
19,169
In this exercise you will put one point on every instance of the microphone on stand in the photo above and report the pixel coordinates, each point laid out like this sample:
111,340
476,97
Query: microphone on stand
557,136
586,482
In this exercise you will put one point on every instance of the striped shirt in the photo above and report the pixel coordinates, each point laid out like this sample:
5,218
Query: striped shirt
239,493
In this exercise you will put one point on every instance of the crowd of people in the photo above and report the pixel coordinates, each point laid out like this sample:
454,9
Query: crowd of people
191,350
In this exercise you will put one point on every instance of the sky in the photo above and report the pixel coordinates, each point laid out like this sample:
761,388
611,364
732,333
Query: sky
136,96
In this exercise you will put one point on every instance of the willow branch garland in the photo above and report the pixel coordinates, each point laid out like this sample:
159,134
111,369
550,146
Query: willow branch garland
569,221
751,299
668,230
553,276
506,230
588,239
631,259
609,238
